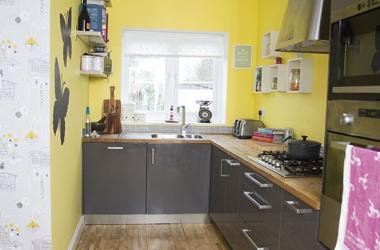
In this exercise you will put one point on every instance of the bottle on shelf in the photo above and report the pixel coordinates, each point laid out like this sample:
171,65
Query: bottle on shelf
295,79
84,22
88,131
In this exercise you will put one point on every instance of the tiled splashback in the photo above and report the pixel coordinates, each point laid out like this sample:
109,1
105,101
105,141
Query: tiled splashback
176,128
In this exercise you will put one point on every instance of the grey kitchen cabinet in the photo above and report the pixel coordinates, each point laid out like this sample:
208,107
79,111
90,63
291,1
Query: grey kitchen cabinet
299,225
178,178
114,178
260,209
224,198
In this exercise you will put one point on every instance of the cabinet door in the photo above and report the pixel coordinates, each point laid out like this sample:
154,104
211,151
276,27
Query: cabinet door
178,178
260,209
298,226
219,180
114,178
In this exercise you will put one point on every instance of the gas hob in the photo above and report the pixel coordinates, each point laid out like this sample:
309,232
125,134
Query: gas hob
281,163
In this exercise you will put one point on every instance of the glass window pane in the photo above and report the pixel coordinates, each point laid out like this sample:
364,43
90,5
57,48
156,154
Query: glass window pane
195,69
146,85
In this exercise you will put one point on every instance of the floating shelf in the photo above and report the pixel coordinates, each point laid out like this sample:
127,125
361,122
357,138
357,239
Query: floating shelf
269,45
91,38
277,79
261,80
94,74
303,68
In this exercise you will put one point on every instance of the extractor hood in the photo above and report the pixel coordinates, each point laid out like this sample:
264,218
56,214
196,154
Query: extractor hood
305,27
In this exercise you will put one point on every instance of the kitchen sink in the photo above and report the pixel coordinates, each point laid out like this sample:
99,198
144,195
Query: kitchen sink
175,136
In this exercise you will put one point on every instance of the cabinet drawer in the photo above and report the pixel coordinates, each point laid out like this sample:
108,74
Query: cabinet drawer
261,214
259,184
299,224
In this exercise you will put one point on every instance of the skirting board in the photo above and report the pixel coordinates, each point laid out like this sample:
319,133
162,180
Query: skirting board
76,235
145,219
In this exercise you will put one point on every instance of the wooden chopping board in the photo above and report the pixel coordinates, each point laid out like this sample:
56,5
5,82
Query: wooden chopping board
261,146
112,110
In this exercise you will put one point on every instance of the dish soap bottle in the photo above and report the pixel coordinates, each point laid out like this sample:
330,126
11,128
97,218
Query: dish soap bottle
87,131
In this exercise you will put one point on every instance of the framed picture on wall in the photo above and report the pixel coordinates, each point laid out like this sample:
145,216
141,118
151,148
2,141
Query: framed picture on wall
243,54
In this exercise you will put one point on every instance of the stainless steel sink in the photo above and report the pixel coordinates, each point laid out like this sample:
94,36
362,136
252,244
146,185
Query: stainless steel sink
175,136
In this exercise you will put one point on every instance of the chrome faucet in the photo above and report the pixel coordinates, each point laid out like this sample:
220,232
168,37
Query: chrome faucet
184,126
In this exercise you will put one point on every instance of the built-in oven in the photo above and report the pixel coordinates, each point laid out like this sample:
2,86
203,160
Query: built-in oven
348,123
354,72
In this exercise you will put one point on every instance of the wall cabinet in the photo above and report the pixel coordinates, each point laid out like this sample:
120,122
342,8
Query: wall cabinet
269,45
300,75
178,178
114,178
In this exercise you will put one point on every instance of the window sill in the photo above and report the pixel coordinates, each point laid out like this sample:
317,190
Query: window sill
173,124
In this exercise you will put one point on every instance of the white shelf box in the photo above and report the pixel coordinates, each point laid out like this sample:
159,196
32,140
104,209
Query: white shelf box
92,39
261,80
269,45
278,75
301,69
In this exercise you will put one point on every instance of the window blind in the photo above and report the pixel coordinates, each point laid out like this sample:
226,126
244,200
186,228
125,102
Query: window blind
172,43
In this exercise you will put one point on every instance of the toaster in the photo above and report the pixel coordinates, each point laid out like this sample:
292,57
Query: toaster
244,128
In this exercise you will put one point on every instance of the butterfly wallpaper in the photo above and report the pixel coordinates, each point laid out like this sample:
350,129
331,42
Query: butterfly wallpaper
62,95
65,23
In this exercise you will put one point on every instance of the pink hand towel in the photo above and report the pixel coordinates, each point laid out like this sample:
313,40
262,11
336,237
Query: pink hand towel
359,225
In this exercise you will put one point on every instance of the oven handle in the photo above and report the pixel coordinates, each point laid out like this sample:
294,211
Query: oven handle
342,145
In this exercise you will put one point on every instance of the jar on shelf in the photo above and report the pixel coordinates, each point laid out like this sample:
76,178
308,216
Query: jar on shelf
295,79
274,83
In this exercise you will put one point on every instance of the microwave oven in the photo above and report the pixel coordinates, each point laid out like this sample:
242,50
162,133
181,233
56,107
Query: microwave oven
354,67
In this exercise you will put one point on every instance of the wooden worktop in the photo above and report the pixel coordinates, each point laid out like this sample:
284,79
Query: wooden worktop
307,189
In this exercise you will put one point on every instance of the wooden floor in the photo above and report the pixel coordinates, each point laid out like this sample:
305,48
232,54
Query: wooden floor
149,237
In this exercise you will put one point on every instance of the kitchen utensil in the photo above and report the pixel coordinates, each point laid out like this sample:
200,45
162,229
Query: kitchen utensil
304,149
112,110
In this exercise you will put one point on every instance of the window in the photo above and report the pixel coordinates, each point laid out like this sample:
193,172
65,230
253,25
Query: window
162,68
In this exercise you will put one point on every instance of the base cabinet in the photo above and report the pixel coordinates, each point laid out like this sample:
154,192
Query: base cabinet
178,178
298,225
114,178
253,213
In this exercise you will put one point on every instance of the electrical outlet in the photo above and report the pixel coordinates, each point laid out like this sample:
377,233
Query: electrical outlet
262,112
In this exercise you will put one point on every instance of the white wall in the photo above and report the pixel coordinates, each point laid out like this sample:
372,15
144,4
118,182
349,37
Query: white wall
25,124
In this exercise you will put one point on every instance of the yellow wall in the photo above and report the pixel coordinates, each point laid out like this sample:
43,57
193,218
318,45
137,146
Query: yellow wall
66,161
237,17
303,112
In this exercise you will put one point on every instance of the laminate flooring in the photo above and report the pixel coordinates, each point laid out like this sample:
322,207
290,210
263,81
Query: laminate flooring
152,237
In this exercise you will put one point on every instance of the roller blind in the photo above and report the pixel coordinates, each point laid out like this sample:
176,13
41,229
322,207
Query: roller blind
172,43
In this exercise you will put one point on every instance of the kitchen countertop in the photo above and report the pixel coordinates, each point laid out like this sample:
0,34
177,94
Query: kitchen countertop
307,189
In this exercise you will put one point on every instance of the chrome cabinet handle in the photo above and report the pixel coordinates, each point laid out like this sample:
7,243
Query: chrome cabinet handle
222,174
293,206
115,148
232,163
253,243
257,182
255,202
153,156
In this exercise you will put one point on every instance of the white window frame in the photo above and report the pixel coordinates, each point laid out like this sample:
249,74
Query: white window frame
219,89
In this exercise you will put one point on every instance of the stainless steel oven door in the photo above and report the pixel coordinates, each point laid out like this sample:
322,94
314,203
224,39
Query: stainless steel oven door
333,184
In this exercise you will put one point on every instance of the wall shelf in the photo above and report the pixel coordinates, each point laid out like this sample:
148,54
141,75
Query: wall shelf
94,74
260,82
269,45
302,69
277,78
91,38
